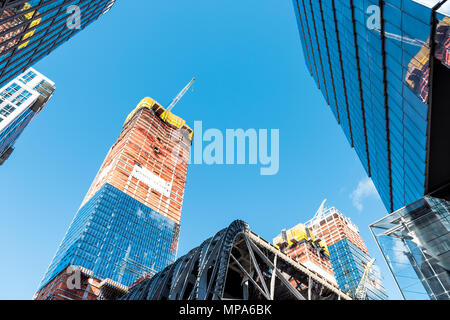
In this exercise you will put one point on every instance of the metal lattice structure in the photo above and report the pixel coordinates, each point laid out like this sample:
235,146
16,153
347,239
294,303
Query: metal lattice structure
361,290
235,264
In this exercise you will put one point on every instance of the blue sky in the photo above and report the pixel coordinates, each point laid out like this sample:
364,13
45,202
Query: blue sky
250,72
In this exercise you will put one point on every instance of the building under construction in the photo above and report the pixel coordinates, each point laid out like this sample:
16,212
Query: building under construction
349,257
236,264
300,244
78,283
128,223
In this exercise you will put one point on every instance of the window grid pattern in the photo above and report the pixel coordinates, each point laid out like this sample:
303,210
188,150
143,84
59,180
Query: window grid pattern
348,252
415,241
30,75
116,237
15,129
31,29
21,97
19,104
380,77
348,263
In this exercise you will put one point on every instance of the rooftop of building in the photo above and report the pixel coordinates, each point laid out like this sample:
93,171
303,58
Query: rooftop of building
166,116
326,214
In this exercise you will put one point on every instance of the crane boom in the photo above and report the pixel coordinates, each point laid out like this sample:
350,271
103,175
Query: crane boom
361,291
180,95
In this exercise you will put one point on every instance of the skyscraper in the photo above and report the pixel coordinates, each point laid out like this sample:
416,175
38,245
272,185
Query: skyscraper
29,30
20,102
383,67
348,253
128,223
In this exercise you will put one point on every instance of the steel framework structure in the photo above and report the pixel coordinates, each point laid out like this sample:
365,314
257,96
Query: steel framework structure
235,264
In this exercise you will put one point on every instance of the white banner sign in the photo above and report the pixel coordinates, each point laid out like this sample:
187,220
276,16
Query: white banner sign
152,180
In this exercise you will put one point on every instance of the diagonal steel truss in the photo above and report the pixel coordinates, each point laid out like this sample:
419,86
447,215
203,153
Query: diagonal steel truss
235,264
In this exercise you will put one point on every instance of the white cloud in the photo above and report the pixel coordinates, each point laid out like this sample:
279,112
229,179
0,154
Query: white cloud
365,189
399,250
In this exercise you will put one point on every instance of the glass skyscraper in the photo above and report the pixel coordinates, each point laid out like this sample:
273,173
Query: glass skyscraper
383,67
21,100
349,263
371,61
348,253
128,224
29,30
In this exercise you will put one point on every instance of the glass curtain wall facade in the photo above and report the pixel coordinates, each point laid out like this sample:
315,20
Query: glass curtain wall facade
371,61
416,243
116,237
349,262
383,66
348,253
29,30
128,224
21,100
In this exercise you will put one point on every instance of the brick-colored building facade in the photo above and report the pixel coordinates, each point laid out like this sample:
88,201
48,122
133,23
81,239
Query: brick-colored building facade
333,226
304,247
149,160
77,283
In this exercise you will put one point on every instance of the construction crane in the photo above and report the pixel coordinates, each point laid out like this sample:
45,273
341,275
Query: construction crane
361,290
180,95
320,211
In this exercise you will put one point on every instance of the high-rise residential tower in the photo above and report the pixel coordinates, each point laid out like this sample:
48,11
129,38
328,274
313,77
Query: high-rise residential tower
20,102
383,66
128,223
29,30
348,253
